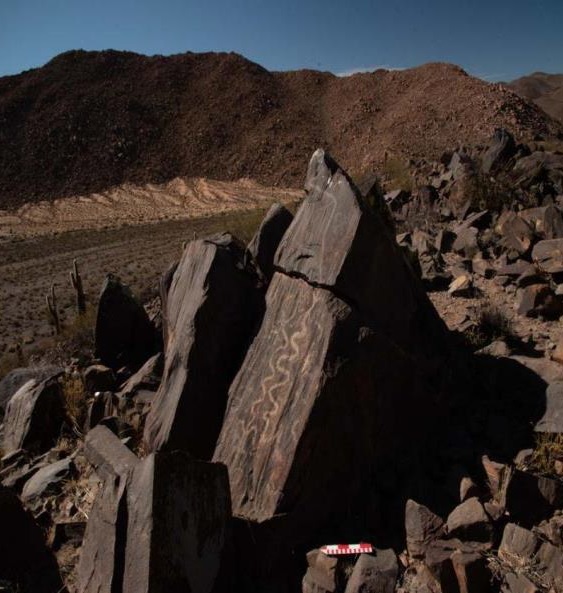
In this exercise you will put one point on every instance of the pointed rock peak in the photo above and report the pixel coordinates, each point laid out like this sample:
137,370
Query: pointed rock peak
322,168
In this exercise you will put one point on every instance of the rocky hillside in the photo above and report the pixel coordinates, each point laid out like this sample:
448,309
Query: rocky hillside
87,121
321,430
546,90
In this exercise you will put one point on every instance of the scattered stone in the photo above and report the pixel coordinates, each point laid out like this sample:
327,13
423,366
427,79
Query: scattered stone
396,199
34,417
502,149
322,573
461,286
538,300
518,583
550,560
469,521
548,255
466,242
518,545
422,526
208,336
374,574
46,480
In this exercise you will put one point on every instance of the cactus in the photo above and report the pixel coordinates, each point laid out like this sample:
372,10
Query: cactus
76,282
51,299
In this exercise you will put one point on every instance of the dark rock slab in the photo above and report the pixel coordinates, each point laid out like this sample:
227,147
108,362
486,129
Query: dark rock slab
124,334
177,527
18,377
25,561
336,241
501,150
45,481
100,569
34,417
265,242
147,377
374,574
315,403
107,454
212,310
422,526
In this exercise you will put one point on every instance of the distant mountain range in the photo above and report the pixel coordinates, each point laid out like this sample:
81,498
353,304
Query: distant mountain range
88,121
546,90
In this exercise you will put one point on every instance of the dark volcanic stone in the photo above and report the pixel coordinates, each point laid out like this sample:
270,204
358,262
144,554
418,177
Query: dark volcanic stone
501,150
212,310
124,335
34,417
336,242
422,526
265,242
374,574
314,402
17,377
177,526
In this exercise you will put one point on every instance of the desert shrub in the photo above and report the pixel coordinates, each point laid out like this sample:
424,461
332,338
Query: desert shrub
491,324
488,193
494,324
74,397
548,449
398,174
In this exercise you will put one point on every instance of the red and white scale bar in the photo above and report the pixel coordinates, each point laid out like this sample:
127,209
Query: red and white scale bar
336,549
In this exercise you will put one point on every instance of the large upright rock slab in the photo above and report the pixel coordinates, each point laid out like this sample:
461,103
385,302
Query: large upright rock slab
337,242
100,569
178,526
312,406
265,242
34,417
213,305
124,335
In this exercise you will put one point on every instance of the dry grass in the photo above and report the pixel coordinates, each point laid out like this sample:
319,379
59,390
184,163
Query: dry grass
548,450
398,175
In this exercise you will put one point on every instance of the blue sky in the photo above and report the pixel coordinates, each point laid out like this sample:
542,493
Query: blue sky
494,39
